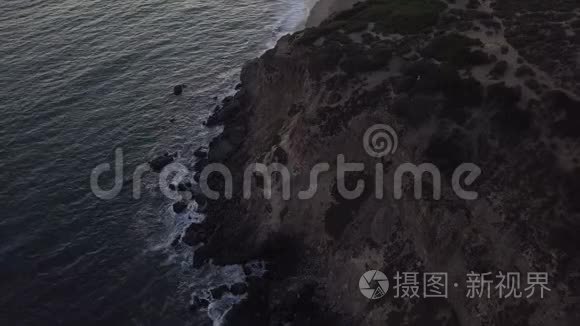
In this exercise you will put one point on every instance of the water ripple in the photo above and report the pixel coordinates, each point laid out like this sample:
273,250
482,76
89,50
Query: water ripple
79,78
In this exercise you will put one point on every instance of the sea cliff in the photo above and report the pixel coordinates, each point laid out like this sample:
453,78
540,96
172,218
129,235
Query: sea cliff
491,83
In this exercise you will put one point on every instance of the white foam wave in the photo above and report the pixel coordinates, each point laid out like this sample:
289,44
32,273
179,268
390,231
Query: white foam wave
291,20
200,282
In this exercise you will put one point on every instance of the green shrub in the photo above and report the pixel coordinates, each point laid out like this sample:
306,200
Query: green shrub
403,16
391,16
456,49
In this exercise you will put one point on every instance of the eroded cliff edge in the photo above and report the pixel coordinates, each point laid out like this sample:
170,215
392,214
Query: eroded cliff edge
493,83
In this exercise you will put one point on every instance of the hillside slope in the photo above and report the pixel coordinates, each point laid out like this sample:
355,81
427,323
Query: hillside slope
494,84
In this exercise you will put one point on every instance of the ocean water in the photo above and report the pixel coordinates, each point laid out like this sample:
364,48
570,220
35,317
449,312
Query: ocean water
79,79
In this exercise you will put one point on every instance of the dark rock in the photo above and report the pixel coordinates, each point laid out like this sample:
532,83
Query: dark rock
499,70
172,186
473,4
235,135
198,233
294,109
467,93
227,100
368,38
176,241
491,24
239,288
201,201
201,256
200,165
198,303
568,110
342,212
241,96
201,152
178,89
502,95
449,150
230,106
280,155
513,120
416,109
219,149
402,84
219,292
478,57
247,269
160,162
179,207
534,85
525,71
254,310
182,187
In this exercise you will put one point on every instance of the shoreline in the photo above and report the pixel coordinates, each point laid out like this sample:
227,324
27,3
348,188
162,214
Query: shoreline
214,211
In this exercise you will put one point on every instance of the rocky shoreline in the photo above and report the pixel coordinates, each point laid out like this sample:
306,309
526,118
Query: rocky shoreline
461,81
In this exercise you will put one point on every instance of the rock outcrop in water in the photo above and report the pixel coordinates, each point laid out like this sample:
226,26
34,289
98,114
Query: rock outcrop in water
493,83
178,89
158,163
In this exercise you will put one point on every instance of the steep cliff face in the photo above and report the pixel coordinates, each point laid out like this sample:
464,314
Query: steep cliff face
457,84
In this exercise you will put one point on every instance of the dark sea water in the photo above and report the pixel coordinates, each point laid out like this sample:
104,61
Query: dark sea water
78,79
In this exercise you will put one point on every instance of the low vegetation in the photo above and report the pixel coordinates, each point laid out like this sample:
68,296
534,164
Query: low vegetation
387,16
